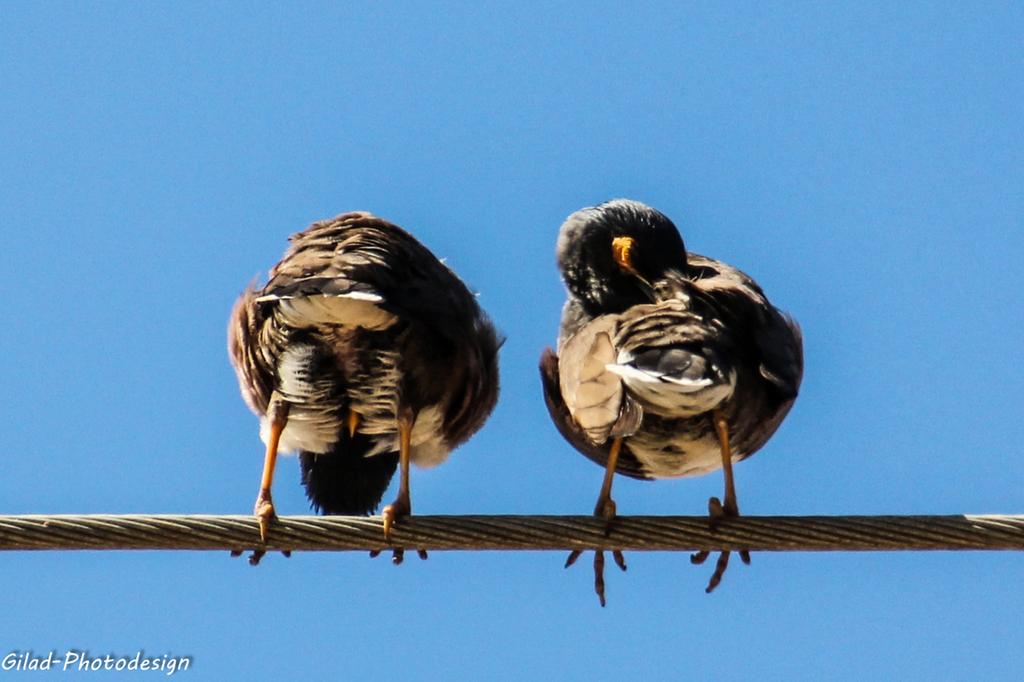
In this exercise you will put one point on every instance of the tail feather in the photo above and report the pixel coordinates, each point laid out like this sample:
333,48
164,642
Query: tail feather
344,481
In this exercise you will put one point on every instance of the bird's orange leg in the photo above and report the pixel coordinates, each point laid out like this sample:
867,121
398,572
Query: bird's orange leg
264,508
402,506
719,510
605,508
731,507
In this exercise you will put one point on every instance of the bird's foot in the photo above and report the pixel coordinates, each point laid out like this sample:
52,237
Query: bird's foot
257,554
718,512
398,555
264,511
604,509
265,515
617,556
398,509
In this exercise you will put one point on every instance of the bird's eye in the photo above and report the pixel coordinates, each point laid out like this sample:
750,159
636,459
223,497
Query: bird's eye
622,248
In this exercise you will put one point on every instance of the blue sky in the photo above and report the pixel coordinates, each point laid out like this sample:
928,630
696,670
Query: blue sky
863,162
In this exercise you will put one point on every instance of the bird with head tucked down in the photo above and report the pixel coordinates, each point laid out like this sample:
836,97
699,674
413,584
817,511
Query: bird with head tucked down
668,363
362,353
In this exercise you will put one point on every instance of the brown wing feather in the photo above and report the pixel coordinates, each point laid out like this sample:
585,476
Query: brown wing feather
348,267
255,376
770,343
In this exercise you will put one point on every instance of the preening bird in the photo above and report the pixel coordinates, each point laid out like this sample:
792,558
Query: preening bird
362,353
668,364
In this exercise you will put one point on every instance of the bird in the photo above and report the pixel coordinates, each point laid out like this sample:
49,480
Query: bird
667,364
362,353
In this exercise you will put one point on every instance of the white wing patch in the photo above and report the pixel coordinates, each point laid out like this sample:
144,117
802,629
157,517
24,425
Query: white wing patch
677,397
356,309
634,375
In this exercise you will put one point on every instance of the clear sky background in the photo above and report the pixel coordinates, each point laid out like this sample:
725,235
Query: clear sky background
864,162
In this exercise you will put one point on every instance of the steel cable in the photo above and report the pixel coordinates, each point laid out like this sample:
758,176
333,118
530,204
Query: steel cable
468,533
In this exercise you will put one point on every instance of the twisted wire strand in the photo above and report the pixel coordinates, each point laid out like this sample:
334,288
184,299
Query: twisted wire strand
632,533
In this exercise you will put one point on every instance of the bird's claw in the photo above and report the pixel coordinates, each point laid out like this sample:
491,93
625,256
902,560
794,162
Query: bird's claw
398,555
599,576
718,512
392,513
265,515
264,511
398,509
604,509
620,561
257,554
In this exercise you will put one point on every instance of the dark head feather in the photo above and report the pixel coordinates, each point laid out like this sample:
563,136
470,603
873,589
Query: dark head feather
585,254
